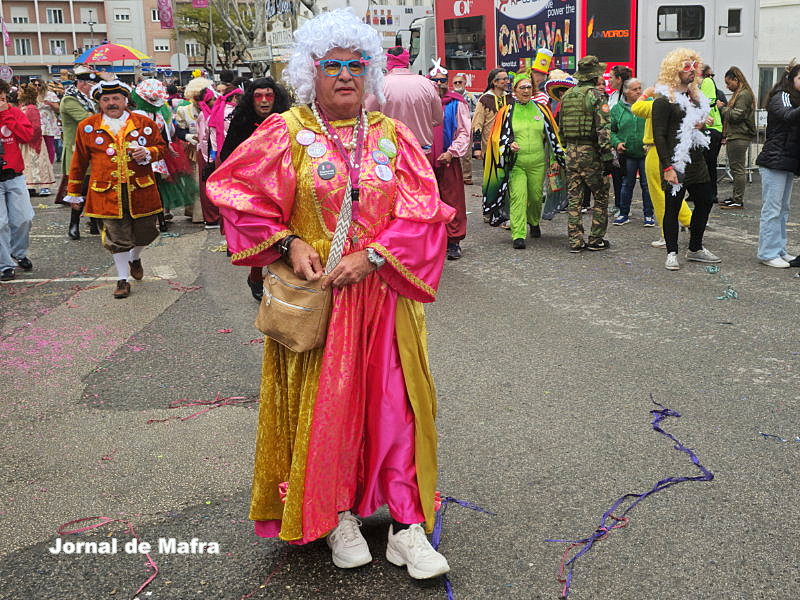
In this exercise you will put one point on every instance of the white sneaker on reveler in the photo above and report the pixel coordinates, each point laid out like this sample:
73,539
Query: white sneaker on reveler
348,546
410,548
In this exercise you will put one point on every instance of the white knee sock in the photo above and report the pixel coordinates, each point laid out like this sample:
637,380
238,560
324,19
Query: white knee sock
136,252
121,262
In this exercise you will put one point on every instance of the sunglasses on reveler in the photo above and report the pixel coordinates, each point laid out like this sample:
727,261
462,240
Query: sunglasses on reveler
439,79
259,96
690,65
332,67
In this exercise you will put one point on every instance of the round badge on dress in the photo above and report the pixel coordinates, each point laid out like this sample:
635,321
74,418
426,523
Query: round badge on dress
537,118
388,147
99,140
148,130
326,170
317,150
110,151
87,128
135,133
142,141
305,137
5,131
380,157
384,172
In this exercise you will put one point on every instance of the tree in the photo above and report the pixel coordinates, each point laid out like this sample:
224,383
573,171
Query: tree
239,25
247,23
193,22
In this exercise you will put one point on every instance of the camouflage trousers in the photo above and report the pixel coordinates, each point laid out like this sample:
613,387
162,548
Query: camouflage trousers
584,168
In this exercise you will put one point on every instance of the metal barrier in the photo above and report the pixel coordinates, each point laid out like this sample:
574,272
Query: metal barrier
752,152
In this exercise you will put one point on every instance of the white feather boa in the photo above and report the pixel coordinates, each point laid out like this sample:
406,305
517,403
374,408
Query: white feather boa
689,137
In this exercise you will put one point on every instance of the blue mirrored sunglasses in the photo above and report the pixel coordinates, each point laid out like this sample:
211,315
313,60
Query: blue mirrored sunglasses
332,67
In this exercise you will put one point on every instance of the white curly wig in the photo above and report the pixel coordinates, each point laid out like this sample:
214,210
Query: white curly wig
334,29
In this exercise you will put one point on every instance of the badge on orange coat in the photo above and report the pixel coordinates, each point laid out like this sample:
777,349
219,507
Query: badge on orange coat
605,108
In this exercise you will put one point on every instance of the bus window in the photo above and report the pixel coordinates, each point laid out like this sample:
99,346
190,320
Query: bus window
465,44
681,22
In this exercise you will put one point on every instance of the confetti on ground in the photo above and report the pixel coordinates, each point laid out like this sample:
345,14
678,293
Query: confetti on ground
211,404
170,234
220,248
436,536
224,330
179,287
254,341
772,436
150,564
729,293
611,519
266,581
40,206
712,269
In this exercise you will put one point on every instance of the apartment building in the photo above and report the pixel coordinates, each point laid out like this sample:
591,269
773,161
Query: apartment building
47,35
162,44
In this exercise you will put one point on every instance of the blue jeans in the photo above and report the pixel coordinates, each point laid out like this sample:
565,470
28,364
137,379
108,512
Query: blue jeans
776,194
632,167
16,214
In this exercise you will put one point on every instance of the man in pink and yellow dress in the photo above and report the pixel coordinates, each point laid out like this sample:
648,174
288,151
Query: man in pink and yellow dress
347,428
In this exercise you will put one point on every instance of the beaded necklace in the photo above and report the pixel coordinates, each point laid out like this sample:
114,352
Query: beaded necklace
356,147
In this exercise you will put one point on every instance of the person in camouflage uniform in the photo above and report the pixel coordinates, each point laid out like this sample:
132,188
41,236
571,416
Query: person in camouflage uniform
586,135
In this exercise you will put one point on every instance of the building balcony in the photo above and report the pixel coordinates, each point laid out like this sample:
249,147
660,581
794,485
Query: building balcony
33,28
35,60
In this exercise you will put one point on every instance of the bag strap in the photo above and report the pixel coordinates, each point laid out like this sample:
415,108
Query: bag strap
342,227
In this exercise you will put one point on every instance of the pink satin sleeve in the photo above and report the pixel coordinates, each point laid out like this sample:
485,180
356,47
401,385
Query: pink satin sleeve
414,254
255,190
417,193
249,236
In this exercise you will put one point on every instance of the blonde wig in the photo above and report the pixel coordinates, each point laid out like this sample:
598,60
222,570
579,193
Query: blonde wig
672,67
195,86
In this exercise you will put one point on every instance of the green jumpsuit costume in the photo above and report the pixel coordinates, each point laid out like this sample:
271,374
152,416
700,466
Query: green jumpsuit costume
526,179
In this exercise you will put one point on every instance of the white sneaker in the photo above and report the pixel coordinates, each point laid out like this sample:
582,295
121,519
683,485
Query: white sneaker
662,243
672,261
348,546
702,255
410,548
776,262
787,257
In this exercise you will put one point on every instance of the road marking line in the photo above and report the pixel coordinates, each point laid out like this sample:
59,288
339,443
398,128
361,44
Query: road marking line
48,236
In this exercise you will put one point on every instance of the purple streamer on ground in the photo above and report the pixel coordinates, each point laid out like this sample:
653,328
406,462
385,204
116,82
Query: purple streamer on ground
436,537
611,520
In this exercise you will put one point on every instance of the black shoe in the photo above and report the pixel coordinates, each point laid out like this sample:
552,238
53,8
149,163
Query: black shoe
256,288
599,245
93,227
795,262
519,244
7,274
453,251
578,249
24,263
731,204
536,232
74,231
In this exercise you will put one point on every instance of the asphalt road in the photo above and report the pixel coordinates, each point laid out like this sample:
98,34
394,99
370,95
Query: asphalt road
545,364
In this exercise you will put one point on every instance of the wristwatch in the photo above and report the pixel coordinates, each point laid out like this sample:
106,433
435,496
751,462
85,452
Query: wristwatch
375,259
